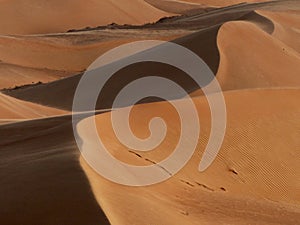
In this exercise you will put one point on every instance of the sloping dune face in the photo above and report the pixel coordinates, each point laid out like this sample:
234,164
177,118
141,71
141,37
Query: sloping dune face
12,108
220,3
35,16
41,179
45,58
255,175
250,59
287,27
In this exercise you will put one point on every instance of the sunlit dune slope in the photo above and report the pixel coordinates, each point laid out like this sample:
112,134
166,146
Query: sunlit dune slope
53,16
12,76
222,3
12,108
45,58
251,58
254,180
179,7
287,27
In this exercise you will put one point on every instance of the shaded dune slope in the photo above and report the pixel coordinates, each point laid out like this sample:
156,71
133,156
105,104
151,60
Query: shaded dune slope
41,179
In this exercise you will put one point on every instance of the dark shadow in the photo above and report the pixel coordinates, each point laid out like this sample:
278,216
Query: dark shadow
42,181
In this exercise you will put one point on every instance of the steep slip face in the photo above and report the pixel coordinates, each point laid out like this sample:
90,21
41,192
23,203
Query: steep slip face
41,179
254,180
36,17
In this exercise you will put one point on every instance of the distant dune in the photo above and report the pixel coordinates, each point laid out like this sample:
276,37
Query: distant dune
222,3
241,53
53,16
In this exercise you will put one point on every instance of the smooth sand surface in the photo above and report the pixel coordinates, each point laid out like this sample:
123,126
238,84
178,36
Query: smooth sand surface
251,63
36,17
178,7
45,58
287,27
12,108
220,3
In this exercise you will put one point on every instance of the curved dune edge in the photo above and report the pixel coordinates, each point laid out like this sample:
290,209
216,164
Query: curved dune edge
242,68
45,58
203,43
178,7
36,17
12,108
254,176
26,60
41,179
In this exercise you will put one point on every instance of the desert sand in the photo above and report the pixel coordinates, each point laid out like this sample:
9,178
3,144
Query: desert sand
254,52
16,109
36,17
250,180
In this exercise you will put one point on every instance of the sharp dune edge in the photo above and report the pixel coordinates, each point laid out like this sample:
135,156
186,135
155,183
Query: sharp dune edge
254,52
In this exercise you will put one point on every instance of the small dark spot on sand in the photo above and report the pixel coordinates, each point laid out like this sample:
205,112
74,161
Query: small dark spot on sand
223,189
233,171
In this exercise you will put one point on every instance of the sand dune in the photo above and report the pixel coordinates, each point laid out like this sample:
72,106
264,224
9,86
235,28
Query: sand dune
12,108
45,58
12,76
179,7
221,3
254,176
287,28
252,48
242,68
41,179
36,17
230,60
